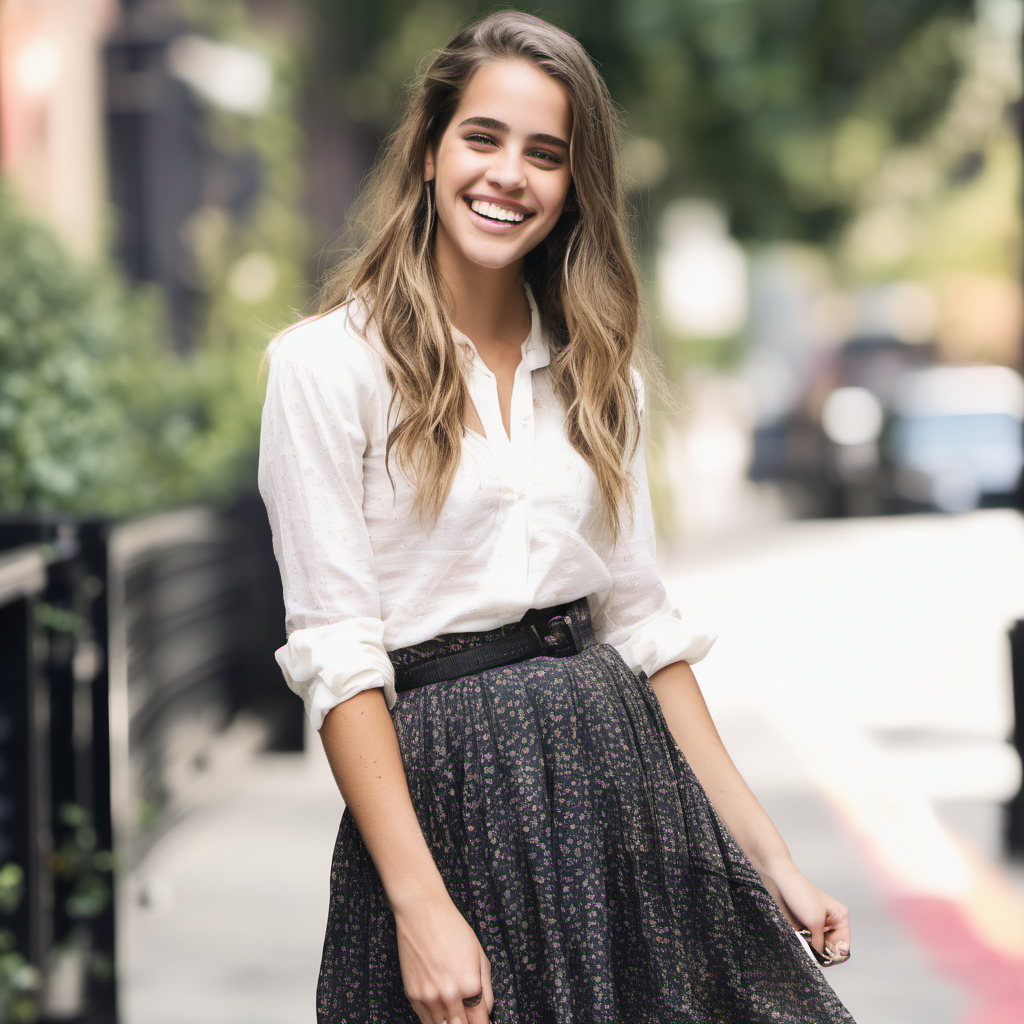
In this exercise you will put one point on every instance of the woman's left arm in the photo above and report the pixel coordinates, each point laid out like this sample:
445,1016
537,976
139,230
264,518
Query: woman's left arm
804,905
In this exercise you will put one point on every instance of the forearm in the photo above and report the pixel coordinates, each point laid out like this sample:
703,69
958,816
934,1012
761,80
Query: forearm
692,727
362,750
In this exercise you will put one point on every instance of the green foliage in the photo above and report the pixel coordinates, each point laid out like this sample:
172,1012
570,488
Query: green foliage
85,872
19,980
249,263
12,886
779,111
96,414
81,865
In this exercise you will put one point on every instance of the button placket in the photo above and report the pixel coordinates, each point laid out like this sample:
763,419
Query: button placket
483,389
522,452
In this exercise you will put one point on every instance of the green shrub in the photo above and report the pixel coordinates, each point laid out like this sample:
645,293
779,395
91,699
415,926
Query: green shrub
97,414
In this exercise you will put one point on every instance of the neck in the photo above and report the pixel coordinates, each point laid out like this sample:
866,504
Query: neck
487,303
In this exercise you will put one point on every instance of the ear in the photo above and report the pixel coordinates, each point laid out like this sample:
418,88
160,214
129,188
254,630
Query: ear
428,166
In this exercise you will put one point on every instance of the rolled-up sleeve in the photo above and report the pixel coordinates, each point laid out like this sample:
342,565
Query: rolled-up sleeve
636,617
322,392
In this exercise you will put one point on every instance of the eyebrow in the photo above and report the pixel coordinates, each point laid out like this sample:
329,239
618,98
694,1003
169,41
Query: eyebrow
499,126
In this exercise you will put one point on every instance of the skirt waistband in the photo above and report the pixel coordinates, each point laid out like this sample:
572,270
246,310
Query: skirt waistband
573,618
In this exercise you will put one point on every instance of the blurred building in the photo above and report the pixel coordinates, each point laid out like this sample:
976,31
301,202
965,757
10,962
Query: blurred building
104,106
178,189
51,111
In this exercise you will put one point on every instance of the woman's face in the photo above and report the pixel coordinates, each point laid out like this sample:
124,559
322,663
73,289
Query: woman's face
501,169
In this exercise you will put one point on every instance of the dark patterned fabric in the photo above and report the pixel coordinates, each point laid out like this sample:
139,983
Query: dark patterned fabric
577,842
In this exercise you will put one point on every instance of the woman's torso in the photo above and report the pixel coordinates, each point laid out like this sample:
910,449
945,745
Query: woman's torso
518,528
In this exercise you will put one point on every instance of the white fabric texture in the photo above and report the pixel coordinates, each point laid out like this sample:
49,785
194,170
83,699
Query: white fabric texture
363,574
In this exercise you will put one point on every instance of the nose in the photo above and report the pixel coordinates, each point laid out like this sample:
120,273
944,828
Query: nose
506,170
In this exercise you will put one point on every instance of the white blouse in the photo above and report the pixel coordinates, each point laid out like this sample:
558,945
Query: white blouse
363,575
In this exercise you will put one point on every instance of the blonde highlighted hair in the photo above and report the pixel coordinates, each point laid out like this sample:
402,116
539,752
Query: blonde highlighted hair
582,275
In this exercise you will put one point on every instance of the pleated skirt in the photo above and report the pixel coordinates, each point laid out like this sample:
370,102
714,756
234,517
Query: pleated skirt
575,839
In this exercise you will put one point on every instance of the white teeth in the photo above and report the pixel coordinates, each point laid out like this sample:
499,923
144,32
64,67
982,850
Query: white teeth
494,212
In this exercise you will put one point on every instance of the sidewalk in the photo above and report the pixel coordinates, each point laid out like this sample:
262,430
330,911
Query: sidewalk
874,653
230,907
892,977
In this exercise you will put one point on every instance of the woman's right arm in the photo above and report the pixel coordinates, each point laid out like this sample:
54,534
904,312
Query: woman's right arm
322,409
442,960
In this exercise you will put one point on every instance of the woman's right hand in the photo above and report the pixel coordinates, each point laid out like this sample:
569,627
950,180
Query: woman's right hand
446,973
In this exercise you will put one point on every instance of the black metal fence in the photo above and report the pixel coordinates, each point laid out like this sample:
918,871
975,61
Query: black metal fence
26,891
131,655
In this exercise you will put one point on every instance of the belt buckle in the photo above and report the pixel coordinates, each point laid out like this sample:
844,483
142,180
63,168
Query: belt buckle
558,639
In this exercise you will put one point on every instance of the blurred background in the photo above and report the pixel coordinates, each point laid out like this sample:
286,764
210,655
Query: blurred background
826,204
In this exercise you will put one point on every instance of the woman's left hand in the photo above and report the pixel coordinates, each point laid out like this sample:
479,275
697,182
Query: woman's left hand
807,907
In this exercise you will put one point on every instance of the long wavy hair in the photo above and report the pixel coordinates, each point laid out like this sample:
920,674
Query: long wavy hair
583,275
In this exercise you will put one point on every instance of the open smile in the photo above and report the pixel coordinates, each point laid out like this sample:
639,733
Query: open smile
497,213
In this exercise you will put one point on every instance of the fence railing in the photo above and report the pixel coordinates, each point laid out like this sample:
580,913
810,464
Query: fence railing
131,655
26,883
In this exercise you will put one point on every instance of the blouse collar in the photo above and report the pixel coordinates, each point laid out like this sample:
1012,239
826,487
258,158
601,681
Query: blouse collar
536,350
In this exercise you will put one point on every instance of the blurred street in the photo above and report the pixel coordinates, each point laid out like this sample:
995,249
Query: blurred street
862,684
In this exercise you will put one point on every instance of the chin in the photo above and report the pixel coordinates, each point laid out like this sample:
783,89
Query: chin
491,259
497,262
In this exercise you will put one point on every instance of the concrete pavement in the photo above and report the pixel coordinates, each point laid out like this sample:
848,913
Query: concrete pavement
873,654
861,685
227,917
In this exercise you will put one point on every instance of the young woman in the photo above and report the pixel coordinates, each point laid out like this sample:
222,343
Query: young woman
542,825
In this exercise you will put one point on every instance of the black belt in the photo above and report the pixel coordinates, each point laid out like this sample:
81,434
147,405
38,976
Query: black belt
553,638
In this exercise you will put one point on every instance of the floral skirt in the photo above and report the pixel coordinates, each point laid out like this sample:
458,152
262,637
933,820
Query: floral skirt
575,839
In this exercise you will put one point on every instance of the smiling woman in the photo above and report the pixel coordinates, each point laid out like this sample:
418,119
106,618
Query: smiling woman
452,465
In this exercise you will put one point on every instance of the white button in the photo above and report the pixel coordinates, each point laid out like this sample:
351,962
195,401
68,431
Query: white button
520,494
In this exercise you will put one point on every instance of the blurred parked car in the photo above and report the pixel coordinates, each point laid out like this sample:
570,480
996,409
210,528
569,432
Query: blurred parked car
956,439
825,450
879,429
